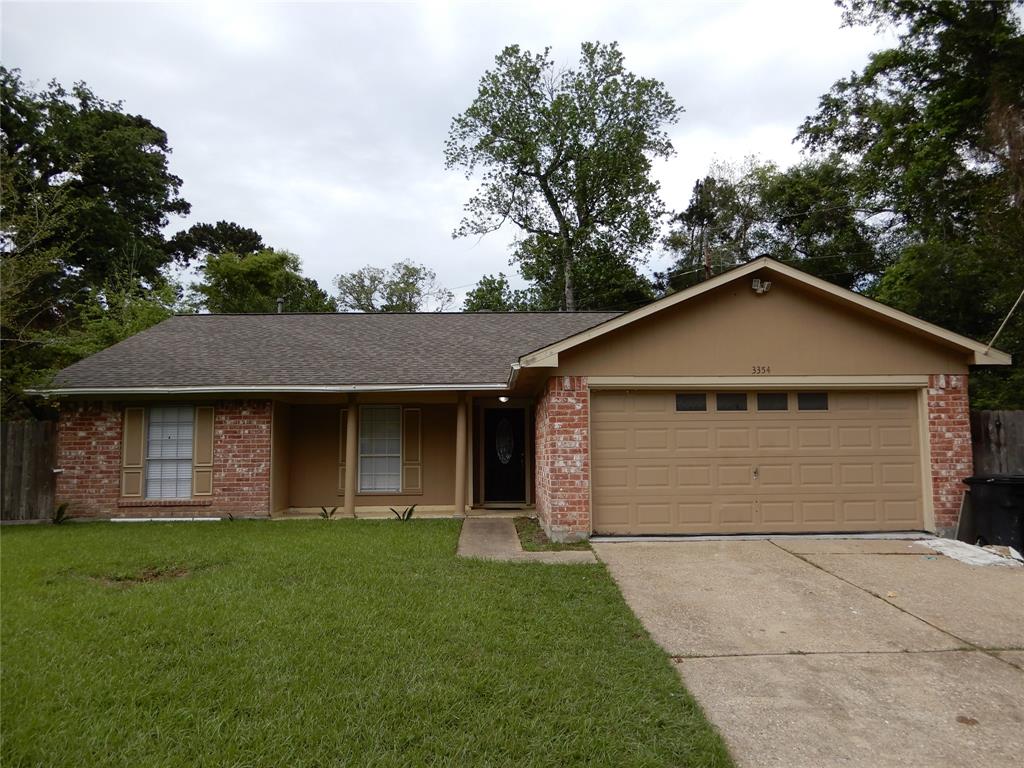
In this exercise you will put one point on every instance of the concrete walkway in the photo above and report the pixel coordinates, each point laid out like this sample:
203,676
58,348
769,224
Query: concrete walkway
817,653
495,538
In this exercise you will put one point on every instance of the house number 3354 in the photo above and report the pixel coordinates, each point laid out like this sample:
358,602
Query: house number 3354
761,370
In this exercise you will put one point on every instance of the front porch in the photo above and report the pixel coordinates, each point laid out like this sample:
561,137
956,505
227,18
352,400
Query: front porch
448,453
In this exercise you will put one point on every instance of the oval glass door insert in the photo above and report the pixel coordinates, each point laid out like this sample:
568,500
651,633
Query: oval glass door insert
503,441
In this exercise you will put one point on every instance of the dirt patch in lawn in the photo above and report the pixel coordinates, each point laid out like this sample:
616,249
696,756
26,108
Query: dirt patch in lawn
146,575
533,538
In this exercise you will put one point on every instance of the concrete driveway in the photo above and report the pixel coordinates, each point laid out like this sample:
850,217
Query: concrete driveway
848,652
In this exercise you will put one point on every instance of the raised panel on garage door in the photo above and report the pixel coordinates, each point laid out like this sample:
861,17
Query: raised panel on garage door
853,467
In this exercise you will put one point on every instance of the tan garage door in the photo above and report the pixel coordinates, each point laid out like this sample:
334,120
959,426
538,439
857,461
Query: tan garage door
755,462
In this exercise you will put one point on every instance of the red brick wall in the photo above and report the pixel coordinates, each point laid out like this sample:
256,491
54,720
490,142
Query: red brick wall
563,458
949,437
89,457
89,453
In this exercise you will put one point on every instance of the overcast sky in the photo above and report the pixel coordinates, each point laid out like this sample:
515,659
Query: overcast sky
321,125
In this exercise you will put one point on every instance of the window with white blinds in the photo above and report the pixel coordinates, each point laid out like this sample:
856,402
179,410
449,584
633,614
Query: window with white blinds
380,448
169,452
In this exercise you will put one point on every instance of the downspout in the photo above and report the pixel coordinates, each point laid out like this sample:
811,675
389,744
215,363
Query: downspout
513,375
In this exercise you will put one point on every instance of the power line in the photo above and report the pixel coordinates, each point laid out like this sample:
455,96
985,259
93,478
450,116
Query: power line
1005,321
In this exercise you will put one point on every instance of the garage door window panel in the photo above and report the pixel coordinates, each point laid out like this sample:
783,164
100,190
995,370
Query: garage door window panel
773,401
812,401
731,401
691,402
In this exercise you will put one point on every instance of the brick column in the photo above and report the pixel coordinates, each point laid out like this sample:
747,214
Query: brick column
949,437
562,421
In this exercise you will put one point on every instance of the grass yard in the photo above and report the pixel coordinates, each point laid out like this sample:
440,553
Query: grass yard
533,538
316,643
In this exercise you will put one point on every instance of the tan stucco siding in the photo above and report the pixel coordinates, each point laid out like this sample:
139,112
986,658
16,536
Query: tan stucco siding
279,456
734,332
314,452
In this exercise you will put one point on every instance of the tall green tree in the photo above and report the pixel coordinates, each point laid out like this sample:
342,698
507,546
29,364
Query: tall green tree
86,192
934,129
403,287
112,168
810,215
715,230
934,124
565,156
254,282
602,280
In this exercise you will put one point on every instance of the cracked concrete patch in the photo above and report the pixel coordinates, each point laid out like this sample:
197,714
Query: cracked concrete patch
982,605
864,711
721,598
853,546
1012,657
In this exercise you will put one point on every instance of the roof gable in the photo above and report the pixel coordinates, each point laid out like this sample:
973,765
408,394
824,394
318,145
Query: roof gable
978,354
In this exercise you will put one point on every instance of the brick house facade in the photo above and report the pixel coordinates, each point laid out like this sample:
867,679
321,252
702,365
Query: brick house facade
373,412
89,445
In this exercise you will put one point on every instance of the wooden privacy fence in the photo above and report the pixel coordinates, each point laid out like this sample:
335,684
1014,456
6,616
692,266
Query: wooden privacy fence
27,459
998,438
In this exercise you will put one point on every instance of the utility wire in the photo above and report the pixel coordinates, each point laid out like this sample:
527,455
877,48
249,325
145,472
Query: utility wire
1005,321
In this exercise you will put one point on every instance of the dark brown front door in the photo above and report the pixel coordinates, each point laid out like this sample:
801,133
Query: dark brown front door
504,455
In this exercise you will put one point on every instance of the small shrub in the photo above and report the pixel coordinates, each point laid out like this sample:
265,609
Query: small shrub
60,515
327,514
405,514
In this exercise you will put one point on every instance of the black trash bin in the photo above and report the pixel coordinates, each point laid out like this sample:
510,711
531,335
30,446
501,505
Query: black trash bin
997,509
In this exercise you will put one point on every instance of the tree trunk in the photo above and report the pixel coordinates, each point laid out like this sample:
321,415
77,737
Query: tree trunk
570,289
704,252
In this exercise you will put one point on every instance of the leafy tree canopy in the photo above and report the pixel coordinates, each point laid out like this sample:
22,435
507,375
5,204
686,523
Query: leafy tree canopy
253,283
201,240
565,155
935,131
808,215
934,125
112,172
602,280
494,294
403,287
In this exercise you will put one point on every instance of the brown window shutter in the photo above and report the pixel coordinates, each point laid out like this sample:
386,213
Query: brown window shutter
202,452
133,451
412,449
343,418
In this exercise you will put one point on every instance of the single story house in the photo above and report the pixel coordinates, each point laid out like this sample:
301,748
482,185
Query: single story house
763,400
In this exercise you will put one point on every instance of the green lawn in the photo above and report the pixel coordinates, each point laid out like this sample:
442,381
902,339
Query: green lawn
315,643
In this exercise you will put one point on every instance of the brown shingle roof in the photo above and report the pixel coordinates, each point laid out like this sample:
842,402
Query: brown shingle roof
307,350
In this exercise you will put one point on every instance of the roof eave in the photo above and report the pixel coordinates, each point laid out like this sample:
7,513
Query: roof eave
261,389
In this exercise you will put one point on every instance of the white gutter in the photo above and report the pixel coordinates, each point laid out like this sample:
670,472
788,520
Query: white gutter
268,389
